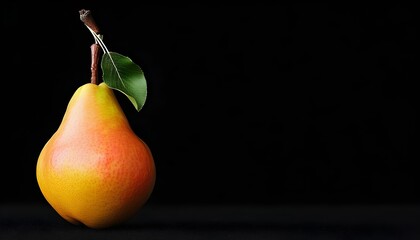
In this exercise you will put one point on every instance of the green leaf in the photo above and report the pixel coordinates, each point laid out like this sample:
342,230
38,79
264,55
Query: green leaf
122,74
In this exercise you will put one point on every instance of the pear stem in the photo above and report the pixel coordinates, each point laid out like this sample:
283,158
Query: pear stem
87,18
94,49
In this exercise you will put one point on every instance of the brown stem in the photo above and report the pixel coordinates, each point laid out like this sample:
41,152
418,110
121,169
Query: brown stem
94,49
87,19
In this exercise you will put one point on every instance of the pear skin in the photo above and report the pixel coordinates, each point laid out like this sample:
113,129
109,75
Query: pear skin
95,170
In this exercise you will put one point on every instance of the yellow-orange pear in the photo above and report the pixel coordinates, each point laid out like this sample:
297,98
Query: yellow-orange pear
95,170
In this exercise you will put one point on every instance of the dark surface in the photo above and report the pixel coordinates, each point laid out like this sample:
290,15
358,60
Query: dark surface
39,221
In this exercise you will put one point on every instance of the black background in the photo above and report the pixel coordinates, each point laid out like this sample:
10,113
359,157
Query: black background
247,104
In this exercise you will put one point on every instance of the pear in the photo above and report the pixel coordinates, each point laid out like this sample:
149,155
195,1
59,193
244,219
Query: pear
94,170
